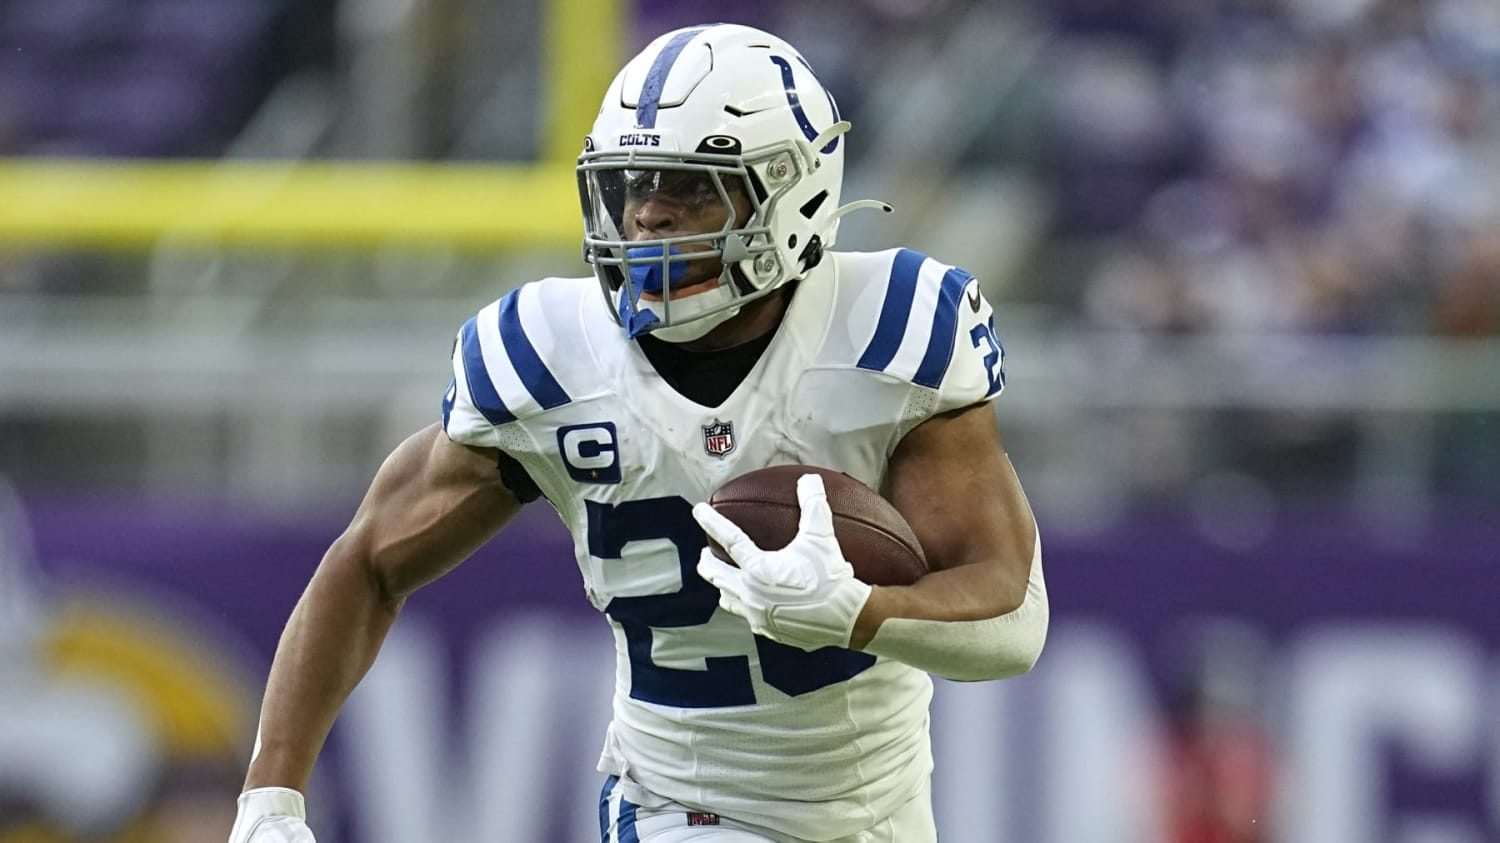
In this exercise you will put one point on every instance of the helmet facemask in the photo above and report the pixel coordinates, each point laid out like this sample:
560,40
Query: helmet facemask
640,274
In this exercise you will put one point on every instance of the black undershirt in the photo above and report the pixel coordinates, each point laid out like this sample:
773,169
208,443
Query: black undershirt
703,377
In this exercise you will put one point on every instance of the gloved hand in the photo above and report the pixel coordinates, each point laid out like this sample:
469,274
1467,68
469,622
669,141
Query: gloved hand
805,594
271,815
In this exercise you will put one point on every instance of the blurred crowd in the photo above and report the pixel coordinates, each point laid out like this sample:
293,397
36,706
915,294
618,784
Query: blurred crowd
1225,166
1235,166
1300,165
1228,169
1281,166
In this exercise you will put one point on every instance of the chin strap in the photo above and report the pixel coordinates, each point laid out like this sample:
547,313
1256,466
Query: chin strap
635,320
635,316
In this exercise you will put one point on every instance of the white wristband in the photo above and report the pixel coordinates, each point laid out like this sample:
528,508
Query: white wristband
268,806
274,802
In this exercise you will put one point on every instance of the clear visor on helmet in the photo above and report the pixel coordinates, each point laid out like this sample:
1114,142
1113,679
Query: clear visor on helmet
659,228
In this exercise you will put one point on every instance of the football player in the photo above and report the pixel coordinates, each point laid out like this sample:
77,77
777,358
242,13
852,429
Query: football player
779,699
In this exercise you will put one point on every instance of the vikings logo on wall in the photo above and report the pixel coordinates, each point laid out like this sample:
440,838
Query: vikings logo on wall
718,438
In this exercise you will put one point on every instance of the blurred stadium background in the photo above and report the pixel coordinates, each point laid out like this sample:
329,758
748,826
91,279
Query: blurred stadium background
1246,260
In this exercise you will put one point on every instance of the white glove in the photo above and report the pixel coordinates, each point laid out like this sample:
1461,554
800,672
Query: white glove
805,594
271,815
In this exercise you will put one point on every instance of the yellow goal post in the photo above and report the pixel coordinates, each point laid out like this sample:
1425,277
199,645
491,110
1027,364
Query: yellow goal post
131,204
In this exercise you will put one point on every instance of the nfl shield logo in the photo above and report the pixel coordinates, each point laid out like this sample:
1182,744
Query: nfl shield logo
718,438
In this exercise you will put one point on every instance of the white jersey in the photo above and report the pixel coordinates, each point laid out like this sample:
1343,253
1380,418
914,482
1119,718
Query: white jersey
707,714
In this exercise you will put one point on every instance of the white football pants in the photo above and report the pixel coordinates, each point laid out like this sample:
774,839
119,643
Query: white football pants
622,821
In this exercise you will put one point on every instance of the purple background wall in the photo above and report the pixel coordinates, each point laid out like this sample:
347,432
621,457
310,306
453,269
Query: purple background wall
235,578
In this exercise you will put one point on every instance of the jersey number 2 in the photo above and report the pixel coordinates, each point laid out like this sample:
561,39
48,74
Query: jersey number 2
984,334
726,679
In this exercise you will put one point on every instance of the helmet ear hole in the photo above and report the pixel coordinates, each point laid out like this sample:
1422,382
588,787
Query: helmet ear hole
813,254
791,242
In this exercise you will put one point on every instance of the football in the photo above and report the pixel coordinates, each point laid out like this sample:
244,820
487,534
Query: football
875,539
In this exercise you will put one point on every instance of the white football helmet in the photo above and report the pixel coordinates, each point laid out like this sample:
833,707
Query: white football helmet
716,115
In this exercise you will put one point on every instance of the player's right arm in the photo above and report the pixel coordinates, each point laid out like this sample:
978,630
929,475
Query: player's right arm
432,504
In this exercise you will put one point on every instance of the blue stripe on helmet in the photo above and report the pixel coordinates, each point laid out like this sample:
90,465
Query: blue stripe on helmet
656,78
894,312
944,323
532,371
481,388
795,101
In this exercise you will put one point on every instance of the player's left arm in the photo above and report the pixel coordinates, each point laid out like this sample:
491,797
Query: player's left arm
982,613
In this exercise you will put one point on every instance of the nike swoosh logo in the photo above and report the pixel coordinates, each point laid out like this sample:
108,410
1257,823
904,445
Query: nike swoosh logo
974,299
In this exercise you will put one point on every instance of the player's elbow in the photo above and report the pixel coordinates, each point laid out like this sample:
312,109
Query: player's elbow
998,647
1010,644
1011,654
1024,652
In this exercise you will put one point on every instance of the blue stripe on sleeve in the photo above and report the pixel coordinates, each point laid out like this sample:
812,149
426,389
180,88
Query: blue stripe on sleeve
481,388
656,77
534,374
944,324
894,311
448,395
